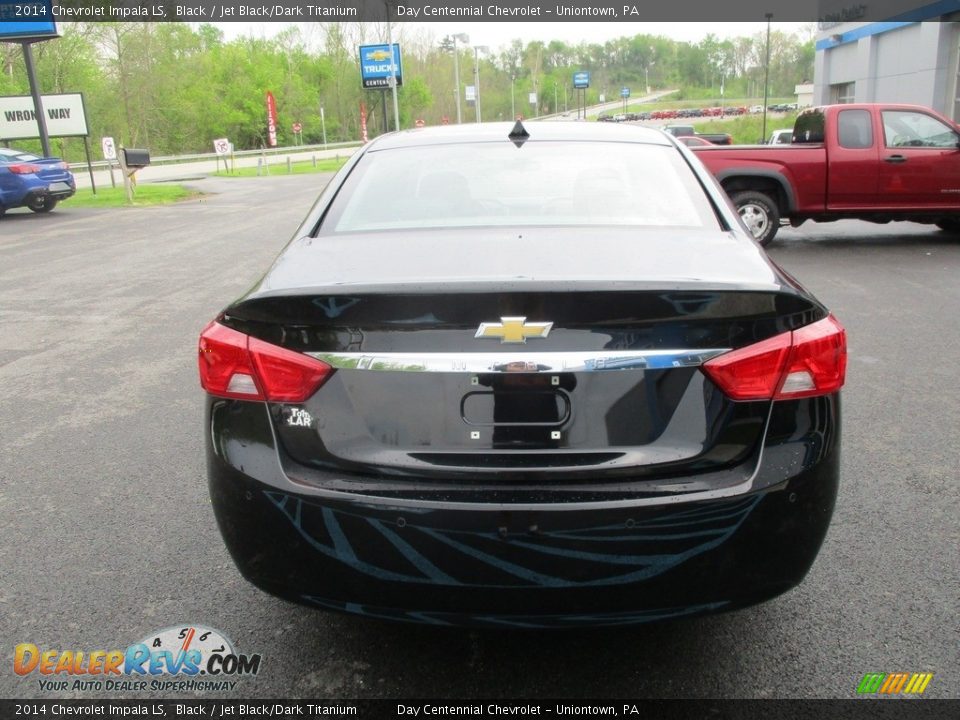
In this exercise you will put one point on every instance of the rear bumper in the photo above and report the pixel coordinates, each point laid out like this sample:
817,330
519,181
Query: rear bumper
59,190
21,195
557,565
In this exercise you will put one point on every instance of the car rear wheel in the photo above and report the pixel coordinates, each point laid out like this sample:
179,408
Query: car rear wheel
759,213
42,204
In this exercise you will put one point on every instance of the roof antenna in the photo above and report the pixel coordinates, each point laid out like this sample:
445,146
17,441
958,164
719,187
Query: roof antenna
519,135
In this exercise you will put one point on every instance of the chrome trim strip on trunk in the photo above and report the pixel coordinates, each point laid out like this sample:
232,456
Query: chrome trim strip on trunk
518,362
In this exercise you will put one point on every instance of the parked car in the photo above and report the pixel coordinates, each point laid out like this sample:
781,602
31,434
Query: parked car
523,376
689,130
692,140
31,181
875,162
781,137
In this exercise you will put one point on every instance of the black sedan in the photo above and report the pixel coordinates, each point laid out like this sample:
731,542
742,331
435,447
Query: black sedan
523,376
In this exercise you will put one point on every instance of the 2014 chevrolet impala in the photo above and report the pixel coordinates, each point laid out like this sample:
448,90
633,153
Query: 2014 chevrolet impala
521,376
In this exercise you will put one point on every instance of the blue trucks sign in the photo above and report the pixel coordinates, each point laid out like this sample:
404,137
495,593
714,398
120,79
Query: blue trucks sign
27,20
581,79
376,67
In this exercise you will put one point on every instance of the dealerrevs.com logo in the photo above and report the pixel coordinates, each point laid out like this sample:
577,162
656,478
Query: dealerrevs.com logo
181,658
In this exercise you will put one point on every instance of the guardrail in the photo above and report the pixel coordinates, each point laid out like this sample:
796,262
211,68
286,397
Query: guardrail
177,159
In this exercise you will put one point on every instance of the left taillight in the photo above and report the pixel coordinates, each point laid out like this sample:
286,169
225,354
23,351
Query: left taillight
806,362
235,365
23,169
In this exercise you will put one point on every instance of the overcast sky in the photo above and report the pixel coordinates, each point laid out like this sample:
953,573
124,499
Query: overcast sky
498,34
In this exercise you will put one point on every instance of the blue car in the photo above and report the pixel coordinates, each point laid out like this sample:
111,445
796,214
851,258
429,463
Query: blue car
31,181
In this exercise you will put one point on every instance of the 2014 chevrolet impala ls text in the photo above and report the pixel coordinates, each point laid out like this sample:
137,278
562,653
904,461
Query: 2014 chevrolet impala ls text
524,376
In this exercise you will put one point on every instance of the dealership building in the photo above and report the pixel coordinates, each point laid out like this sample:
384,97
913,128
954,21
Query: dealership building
914,61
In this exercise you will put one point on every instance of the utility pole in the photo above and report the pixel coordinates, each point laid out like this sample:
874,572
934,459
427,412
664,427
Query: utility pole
323,125
464,38
476,76
766,81
393,74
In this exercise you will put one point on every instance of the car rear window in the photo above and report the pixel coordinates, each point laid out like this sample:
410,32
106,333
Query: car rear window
540,183
809,127
8,155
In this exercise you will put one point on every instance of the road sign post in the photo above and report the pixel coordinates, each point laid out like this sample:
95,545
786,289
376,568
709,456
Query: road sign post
110,155
222,147
381,69
41,26
581,81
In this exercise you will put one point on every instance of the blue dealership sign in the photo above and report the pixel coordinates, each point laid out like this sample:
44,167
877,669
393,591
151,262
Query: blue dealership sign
376,67
27,20
581,79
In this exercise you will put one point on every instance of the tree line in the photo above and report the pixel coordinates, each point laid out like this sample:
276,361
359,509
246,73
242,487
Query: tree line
174,87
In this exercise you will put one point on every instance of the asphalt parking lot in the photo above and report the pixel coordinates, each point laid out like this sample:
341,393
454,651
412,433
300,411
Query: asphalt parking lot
108,535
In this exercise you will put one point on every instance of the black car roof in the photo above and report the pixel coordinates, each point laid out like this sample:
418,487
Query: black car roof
539,131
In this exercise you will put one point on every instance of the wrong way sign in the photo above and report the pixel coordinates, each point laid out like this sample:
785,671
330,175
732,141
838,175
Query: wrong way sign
64,113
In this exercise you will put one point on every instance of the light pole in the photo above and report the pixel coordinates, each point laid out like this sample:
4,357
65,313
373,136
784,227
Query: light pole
477,49
464,38
646,70
513,101
393,75
323,124
721,95
766,80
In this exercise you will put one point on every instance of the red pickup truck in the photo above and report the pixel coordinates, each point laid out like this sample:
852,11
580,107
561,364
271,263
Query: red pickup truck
873,162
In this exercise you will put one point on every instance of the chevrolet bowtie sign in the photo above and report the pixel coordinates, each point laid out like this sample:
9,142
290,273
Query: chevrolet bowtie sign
514,330
376,68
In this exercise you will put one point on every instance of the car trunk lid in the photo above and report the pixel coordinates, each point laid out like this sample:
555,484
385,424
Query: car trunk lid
455,374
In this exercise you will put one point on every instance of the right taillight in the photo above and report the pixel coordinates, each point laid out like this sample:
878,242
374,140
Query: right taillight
235,365
801,363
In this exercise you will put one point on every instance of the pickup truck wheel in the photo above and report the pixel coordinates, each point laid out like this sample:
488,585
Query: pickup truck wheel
950,225
759,213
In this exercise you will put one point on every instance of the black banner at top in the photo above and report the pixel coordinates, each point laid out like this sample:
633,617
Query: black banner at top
826,12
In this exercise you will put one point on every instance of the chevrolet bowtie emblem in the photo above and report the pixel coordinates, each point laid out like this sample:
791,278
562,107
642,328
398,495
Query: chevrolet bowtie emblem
514,330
